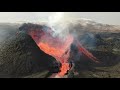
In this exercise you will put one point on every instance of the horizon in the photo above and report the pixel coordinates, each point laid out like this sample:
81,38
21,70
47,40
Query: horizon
111,18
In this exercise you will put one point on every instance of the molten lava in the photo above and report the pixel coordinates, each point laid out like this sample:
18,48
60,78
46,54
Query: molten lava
53,46
87,53
57,47
64,69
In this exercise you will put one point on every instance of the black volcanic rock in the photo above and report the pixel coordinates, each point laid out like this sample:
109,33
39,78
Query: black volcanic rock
20,57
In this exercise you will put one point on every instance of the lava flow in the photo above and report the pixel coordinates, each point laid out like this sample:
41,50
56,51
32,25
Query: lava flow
57,47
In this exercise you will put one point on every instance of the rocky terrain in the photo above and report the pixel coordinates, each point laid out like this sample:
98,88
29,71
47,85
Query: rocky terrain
107,50
20,56
104,42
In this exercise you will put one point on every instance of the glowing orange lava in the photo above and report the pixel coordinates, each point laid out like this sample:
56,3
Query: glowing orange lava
86,52
64,69
55,47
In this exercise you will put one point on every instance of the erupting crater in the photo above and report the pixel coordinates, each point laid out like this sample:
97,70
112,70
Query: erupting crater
55,46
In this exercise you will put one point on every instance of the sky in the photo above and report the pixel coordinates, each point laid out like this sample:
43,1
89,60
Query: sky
102,17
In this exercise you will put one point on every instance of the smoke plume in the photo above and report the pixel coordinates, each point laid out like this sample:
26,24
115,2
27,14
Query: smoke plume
62,25
57,22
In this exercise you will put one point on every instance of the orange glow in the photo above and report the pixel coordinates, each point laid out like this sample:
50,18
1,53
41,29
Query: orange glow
55,47
57,52
65,67
86,52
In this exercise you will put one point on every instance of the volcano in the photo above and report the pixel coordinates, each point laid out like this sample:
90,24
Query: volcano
55,46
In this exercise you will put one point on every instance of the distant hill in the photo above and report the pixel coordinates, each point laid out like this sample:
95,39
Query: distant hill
92,26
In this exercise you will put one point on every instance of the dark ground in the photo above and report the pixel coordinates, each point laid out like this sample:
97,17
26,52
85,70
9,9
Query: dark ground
20,56
107,50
